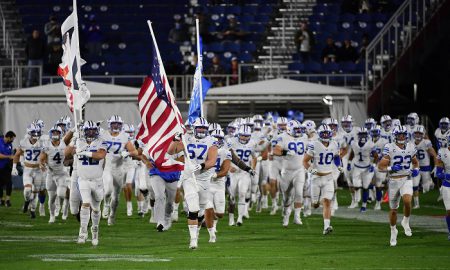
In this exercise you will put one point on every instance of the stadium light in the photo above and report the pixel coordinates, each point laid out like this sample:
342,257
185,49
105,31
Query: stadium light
328,100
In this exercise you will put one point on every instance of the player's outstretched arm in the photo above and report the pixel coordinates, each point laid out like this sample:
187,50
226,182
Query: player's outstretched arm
211,158
224,168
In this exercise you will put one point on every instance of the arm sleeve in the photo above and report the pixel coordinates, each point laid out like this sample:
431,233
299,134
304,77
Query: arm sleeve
310,150
238,162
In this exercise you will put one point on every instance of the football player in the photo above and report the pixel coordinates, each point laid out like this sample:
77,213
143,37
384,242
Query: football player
31,148
322,154
441,132
443,173
90,159
52,158
348,132
292,145
425,150
400,162
362,152
379,142
119,147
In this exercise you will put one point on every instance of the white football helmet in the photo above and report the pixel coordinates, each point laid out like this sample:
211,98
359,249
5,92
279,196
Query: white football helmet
386,122
370,123
325,133
257,127
333,124
419,132
347,123
232,128
282,123
90,131
444,123
375,132
55,133
412,119
129,129
244,134
310,126
115,123
400,134
214,126
294,128
200,128
34,131
219,135
363,134
257,118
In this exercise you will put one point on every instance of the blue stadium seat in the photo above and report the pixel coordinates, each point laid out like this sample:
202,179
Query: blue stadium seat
313,67
245,57
232,47
252,10
236,10
331,67
246,46
296,67
347,67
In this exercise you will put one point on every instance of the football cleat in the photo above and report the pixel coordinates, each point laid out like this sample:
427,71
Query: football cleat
82,236
239,221
393,240
25,206
406,227
416,206
105,212
94,232
160,228
212,239
111,220
274,210
51,220
8,203
377,206
298,220
174,215
32,214
363,209
285,221
193,244
328,230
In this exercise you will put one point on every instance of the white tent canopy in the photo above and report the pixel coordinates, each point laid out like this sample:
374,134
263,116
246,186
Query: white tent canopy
48,102
345,101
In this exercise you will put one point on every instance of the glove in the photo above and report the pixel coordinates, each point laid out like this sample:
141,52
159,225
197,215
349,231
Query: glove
252,172
349,167
259,158
371,168
440,173
312,170
214,177
290,153
14,171
415,172
84,153
177,137
340,169
124,154
197,167
447,176
395,168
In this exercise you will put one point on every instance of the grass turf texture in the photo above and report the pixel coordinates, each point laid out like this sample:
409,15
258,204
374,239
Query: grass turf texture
259,244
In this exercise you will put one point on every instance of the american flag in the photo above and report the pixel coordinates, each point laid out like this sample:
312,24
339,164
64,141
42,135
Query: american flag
160,116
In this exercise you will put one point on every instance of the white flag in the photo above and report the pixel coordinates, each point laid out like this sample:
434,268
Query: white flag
77,93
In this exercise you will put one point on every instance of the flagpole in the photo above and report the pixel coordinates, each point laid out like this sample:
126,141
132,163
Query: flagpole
161,66
75,111
199,65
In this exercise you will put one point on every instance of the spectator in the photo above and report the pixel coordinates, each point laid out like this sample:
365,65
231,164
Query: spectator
203,23
6,157
364,6
304,41
54,58
216,69
53,31
94,38
234,71
347,52
329,53
179,32
362,50
190,68
35,53
232,32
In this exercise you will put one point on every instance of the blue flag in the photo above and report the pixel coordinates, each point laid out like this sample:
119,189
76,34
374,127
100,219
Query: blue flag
194,105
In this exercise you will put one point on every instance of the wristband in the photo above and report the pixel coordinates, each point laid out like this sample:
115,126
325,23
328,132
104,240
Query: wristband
284,153
389,168
89,154
14,166
202,165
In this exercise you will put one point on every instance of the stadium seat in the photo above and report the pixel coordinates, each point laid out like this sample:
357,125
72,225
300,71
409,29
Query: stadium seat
296,67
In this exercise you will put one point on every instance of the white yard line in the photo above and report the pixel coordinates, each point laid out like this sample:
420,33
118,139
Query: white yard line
96,258
15,224
436,224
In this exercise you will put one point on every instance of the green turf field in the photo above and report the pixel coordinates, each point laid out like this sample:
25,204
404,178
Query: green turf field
261,243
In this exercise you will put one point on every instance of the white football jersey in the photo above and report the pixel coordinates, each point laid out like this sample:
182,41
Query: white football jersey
222,154
322,155
444,156
55,155
198,152
340,140
298,145
362,154
244,151
115,145
387,135
400,156
89,168
422,152
441,136
379,146
276,138
31,152
349,137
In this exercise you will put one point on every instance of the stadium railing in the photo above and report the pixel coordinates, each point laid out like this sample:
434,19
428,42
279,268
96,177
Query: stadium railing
6,41
15,76
396,37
